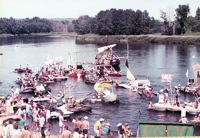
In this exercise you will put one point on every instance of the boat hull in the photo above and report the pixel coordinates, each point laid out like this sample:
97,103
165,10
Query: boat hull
109,98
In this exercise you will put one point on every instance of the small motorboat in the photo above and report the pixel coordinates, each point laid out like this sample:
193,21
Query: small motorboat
23,70
29,90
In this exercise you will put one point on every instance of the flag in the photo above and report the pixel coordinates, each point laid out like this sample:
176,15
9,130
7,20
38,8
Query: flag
126,63
186,73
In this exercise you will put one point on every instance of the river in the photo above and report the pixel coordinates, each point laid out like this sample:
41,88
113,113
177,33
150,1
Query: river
144,59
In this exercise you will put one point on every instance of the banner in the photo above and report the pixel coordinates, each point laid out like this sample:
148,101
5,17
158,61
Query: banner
167,78
165,129
196,68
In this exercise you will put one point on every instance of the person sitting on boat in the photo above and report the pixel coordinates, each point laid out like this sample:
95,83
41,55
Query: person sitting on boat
196,117
166,91
73,100
183,120
59,100
151,105
177,95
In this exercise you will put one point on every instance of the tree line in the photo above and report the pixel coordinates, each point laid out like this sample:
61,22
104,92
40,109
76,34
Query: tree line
110,22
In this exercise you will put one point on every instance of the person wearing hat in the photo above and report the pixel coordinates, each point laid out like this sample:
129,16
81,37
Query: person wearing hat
98,127
106,131
78,124
66,133
177,95
121,131
85,127
166,91
22,122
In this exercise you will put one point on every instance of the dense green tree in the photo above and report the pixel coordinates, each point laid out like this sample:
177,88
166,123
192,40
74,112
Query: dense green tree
197,14
182,13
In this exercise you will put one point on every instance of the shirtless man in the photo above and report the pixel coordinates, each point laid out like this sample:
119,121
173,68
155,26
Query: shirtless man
35,112
66,133
26,133
183,120
78,125
85,127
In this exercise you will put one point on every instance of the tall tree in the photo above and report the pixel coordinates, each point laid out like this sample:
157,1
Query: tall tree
198,14
181,15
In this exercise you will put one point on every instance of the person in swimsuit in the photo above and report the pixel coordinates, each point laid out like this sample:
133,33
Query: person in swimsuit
177,95
78,124
166,91
66,133
121,131
61,120
151,105
26,133
85,127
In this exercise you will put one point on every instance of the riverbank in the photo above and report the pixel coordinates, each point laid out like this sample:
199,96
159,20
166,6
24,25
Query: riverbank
156,38
193,38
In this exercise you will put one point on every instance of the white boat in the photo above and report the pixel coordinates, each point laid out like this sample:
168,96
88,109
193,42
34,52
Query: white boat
133,82
109,58
105,94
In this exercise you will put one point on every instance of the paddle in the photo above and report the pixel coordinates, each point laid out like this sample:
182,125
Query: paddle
89,94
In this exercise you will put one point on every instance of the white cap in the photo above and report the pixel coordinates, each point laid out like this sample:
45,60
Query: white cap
107,124
73,120
70,97
176,87
179,85
86,117
93,97
120,124
101,120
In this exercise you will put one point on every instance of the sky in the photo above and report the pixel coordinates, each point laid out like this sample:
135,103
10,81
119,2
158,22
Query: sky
76,8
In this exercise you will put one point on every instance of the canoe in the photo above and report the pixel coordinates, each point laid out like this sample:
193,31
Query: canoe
80,108
27,91
23,70
60,78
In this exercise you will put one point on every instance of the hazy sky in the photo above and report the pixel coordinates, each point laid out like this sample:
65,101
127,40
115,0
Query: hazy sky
76,8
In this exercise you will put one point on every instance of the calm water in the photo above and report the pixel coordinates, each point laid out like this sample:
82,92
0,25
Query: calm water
144,59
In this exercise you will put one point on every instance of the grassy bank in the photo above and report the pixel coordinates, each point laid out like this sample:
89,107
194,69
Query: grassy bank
156,38
192,38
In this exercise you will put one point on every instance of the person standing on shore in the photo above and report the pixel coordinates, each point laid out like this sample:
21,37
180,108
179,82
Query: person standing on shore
66,133
121,131
106,131
61,120
78,124
98,127
85,127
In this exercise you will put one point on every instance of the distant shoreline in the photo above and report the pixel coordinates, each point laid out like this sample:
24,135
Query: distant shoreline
150,38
